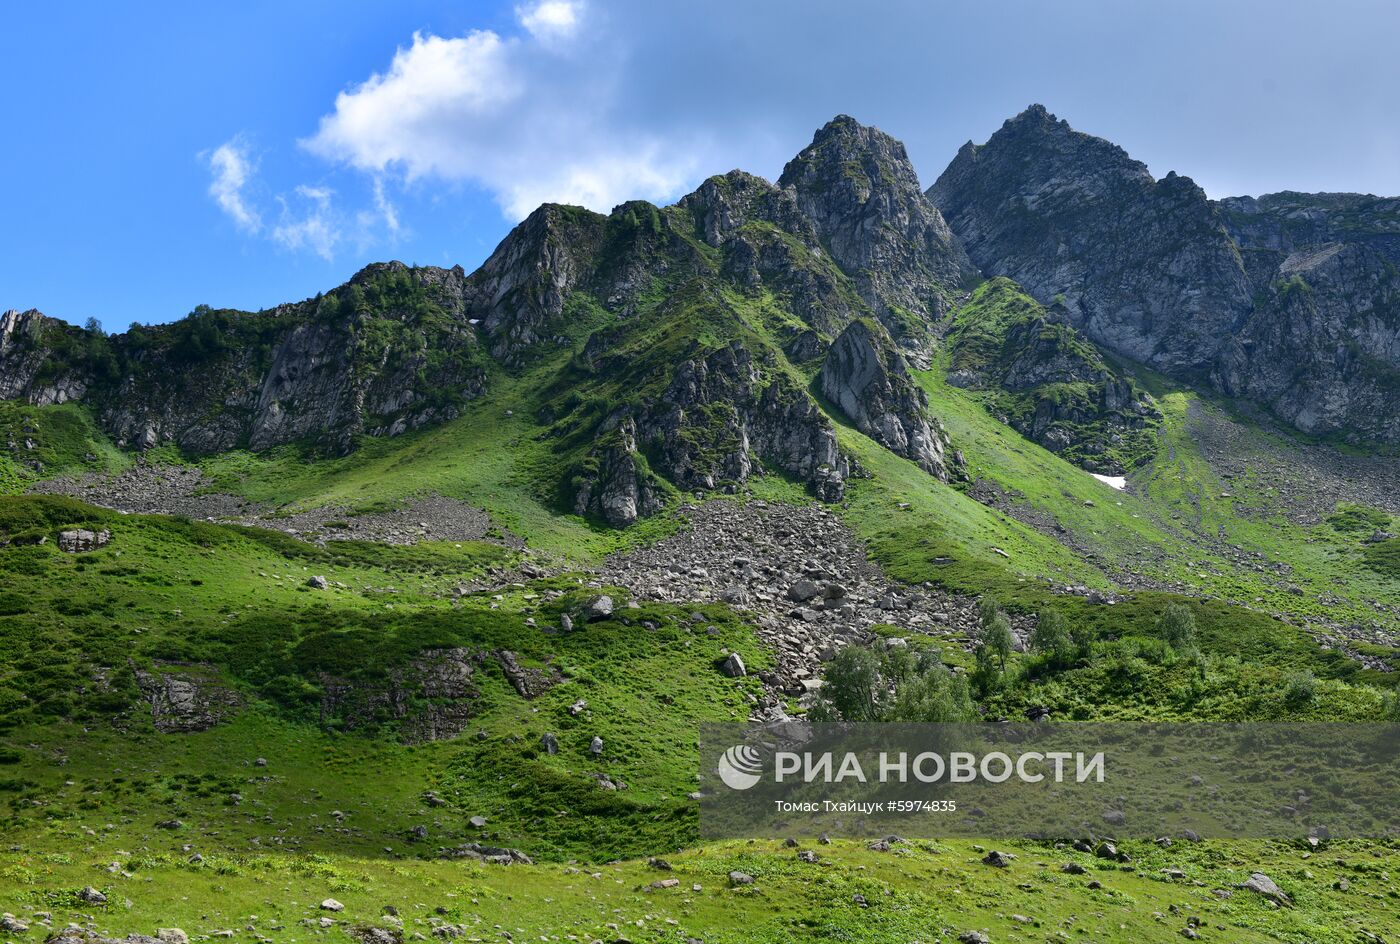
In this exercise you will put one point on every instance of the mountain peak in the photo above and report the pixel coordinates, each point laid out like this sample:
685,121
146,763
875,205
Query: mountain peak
1073,216
856,184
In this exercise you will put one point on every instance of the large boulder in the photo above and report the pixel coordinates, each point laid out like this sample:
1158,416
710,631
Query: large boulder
868,379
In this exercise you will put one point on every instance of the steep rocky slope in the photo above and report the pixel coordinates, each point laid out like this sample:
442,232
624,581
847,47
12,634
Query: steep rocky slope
1323,345
1289,301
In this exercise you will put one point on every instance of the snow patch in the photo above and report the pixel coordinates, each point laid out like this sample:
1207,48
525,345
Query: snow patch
1118,482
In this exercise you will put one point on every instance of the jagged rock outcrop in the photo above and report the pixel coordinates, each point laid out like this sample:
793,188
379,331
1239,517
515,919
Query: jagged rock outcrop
1288,300
857,186
520,291
768,242
391,350
718,420
1049,383
616,484
27,369
1143,266
868,379
1322,348
186,698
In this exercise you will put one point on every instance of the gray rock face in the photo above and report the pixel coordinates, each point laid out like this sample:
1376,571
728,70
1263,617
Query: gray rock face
857,186
1322,348
1290,300
520,291
431,698
80,539
617,486
869,380
757,224
1143,266
186,698
718,416
25,368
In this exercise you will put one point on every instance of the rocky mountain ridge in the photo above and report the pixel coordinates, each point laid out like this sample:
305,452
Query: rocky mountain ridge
1289,301
719,337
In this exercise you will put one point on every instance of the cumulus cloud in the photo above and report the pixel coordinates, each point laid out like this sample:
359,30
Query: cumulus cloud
231,168
529,118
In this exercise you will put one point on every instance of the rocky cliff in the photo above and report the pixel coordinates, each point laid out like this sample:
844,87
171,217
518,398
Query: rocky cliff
868,379
1288,301
1322,347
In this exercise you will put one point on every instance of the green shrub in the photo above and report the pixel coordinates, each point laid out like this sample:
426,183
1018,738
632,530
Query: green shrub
1177,628
1384,557
1300,690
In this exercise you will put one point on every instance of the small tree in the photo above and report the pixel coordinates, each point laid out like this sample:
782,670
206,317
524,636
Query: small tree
852,684
987,609
1082,636
1052,638
986,676
998,638
1177,628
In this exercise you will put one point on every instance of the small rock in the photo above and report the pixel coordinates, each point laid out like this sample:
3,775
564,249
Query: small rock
330,904
740,878
318,583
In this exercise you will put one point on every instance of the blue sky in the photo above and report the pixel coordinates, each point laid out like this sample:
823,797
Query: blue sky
161,155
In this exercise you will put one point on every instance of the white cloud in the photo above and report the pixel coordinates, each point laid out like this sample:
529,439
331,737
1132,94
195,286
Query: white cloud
232,168
551,19
523,117
314,225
